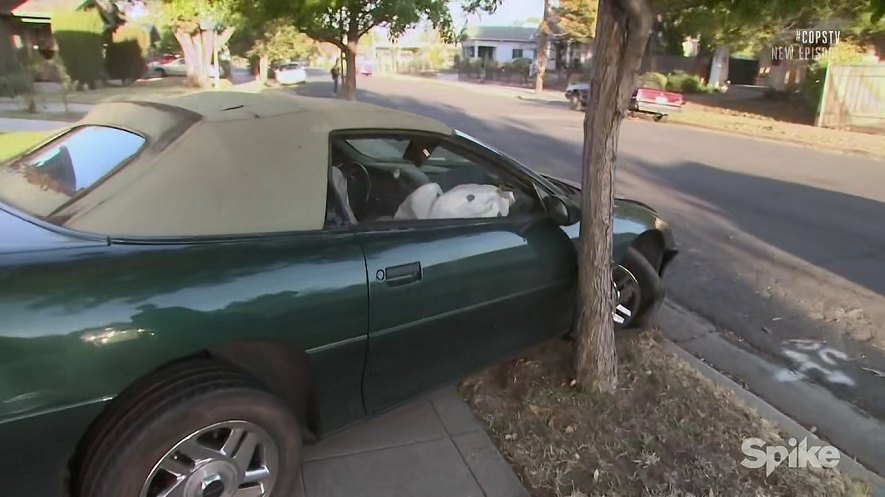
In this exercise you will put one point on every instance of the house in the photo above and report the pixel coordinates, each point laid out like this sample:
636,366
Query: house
505,43
25,27
499,43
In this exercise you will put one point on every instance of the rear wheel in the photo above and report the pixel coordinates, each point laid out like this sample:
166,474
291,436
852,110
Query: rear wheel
198,430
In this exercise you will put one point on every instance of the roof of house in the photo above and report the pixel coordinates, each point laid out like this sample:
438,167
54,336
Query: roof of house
501,33
38,8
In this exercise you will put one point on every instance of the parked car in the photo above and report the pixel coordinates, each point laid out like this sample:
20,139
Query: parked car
658,103
577,94
191,285
176,67
290,74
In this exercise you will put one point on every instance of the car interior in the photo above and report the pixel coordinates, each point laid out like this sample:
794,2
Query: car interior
390,177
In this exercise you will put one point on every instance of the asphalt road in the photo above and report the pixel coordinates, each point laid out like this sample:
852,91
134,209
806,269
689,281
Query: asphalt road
782,247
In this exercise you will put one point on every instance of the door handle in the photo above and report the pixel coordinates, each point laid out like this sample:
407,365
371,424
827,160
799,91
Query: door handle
402,274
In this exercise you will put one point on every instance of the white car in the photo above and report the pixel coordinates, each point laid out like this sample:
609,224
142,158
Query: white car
290,74
176,67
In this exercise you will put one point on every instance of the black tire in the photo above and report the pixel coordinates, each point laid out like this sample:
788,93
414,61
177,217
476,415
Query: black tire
161,73
170,405
651,288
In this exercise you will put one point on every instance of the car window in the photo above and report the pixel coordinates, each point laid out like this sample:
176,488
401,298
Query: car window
422,179
44,180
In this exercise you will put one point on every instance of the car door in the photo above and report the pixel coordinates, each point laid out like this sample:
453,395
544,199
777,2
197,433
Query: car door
447,296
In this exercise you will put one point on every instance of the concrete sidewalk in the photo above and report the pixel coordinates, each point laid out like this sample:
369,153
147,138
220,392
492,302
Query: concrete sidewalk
11,125
432,447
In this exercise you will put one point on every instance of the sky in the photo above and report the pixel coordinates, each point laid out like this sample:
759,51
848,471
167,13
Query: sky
508,12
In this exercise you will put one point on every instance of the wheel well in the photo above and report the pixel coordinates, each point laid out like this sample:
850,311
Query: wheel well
281,368
651,245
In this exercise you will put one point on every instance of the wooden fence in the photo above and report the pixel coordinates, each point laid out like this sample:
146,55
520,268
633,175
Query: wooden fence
854,98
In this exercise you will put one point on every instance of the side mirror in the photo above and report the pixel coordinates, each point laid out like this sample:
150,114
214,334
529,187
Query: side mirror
562,210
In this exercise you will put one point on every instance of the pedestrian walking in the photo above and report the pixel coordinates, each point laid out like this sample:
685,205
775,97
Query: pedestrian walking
335,73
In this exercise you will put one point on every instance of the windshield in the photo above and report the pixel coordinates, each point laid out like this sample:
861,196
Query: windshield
44,180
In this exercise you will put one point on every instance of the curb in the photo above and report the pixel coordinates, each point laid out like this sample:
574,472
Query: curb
694,329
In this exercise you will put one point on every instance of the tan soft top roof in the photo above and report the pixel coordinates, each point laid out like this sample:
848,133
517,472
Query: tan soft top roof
224,163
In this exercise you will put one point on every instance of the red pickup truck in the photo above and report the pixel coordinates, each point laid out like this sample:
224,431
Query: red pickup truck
656,102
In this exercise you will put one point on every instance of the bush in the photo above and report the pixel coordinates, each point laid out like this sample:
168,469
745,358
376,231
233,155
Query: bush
683,82
654,80
127,53
80,36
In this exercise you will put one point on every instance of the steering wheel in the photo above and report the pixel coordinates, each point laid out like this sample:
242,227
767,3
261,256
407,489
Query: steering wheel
359,186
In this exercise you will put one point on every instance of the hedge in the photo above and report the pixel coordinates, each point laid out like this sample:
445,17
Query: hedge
127,53
80,36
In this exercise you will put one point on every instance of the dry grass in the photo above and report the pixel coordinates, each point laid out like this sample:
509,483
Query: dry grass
667,432
782,125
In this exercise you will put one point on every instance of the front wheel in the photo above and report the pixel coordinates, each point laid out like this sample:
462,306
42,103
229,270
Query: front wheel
199,430
638,291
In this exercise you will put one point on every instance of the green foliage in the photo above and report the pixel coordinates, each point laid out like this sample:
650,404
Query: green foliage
282,42
654,80
577,18
127,52
682,82
80,36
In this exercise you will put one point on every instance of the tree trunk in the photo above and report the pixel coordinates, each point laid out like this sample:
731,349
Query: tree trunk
263,69
621,33
198,49
541,55
350,69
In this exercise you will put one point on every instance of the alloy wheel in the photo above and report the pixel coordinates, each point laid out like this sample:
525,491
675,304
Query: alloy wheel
627,296
227,459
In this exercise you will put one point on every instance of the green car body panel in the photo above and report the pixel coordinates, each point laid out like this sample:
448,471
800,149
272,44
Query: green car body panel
370,317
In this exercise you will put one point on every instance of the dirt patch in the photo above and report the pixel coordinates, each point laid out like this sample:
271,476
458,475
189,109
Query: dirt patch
667,432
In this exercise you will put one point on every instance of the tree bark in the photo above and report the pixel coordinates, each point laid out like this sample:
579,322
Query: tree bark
198,48
350,69
541,55
621,33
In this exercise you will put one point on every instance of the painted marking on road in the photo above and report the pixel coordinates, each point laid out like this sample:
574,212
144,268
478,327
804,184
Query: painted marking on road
806,356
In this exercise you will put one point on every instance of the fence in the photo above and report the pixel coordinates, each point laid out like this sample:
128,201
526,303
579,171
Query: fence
854,98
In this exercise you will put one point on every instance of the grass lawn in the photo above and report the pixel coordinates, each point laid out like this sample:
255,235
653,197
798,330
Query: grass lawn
12,144
666,432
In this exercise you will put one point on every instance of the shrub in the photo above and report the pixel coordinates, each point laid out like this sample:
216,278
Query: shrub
654,80
80,36
127,52
683,82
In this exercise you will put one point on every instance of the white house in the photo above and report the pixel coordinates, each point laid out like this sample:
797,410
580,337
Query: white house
499,43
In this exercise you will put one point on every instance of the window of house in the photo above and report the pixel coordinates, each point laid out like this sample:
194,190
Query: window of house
470,52
44,180
412,178
517,53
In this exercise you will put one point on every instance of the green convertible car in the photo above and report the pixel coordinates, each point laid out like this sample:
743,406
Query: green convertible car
191,288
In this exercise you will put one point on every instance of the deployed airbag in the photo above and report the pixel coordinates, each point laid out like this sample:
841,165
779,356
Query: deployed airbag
462,201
